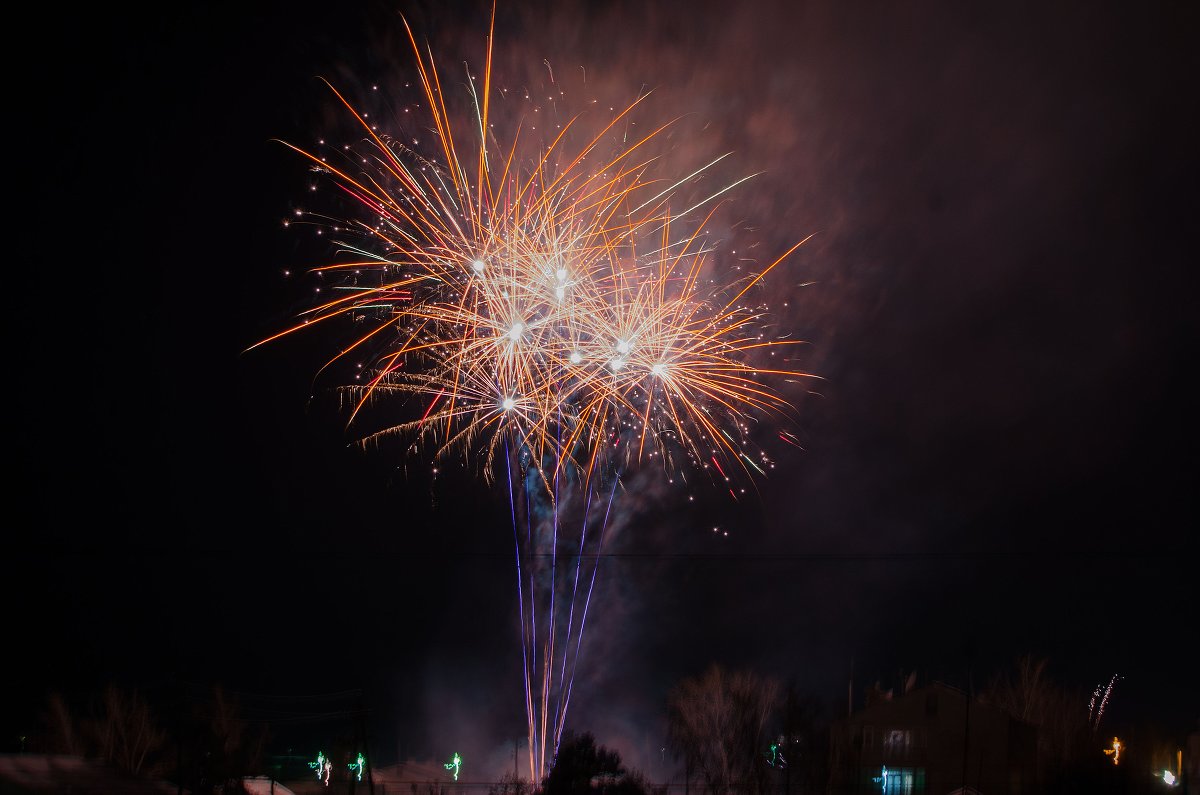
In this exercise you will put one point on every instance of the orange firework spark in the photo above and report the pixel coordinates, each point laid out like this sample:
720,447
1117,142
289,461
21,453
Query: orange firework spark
543,302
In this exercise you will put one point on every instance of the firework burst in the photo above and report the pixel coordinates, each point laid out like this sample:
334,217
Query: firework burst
540,310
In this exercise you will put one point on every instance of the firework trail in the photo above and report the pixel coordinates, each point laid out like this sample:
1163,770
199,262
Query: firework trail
552,321
1099,701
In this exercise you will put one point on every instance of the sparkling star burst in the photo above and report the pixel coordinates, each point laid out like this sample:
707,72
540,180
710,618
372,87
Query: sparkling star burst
546,300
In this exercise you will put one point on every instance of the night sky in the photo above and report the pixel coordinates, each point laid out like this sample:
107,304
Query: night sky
998,458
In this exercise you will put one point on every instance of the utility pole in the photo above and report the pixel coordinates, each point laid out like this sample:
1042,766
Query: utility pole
967,719
181,695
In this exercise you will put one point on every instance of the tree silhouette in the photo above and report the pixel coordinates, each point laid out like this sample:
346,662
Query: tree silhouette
1028,694
718,722
230,747
509,784
121,730
63,731
582,767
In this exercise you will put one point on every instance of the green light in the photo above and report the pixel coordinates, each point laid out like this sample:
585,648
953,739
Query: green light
774,756
455,764
358,765
323,767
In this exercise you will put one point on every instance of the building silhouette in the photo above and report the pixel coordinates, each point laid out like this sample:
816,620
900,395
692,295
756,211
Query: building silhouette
932,740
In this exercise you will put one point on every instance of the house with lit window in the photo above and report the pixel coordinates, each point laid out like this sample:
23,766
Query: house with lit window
932,740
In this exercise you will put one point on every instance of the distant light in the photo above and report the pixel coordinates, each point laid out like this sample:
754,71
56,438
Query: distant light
508,403
616,364
561,273
358,765
560,293
622,347
454,764
478,265
323,767
659,370
1168,777
1114,751
516,331
576,357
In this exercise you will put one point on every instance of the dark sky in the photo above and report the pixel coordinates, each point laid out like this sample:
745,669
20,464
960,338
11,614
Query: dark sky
1000,301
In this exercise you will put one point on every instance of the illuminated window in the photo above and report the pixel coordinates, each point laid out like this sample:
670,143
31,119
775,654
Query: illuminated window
898,780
